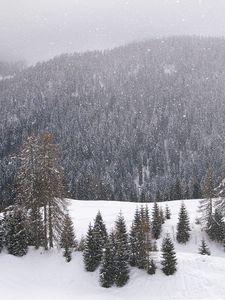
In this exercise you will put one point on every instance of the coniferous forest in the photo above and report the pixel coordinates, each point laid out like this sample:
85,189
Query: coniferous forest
142,122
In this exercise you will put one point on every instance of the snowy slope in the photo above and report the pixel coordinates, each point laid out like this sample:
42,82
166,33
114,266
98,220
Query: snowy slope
41,275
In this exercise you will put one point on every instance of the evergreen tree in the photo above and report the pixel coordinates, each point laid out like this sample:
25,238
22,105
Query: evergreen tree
162,217
183,226
107,270
68,242
100,235
121,253
203,249
169,261
16,237
133,239
151,267
1,234
216,231
197,193
177,191
156,222
206,207
167,212
81,244
91,260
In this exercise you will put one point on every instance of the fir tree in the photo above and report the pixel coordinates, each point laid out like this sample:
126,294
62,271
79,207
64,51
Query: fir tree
169,261
16,237
100,235
81,244
167,212
1,234
203,249
206,207
107,270
68,242
91,262
216,231
151,267
162,217
183,226
121,253
156,222
133,238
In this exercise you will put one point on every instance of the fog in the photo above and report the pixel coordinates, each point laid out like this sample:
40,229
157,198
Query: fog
37,30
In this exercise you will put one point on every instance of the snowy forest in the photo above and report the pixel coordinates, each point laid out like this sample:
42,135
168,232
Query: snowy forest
142,122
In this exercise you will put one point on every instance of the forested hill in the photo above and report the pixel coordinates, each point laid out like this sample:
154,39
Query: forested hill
144,120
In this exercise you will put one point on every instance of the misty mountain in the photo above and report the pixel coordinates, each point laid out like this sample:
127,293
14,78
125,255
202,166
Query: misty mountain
137,122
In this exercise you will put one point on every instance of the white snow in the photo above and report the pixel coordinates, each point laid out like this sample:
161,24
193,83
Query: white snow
45,275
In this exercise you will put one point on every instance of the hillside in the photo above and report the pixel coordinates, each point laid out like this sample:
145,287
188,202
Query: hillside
148,116
41,275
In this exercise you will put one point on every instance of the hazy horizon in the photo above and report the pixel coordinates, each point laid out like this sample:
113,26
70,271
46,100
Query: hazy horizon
34,31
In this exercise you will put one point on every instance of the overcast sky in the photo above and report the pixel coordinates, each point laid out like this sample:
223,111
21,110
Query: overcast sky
40,29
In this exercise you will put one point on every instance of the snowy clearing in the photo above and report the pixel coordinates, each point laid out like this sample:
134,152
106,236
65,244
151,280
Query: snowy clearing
46,275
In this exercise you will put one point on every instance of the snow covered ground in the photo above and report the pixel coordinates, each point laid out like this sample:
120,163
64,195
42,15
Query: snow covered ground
46,275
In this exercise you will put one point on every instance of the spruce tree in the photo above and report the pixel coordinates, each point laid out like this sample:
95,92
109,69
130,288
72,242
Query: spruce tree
151,267
216,231
16,236
162,217
203,249
133,238
121,253
156,222
91,261
167,212
68,242
206,207
1,234
107,270
183,226
169,261
100,235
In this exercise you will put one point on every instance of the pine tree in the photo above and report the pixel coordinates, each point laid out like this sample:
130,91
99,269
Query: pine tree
91,262
16,237
68,241
203,249
216,231
197,193
1,235
167,212
100,233
107,270
162,217
81,244
169,261
133,238
206,207
151,267
156,222
121,253
183,226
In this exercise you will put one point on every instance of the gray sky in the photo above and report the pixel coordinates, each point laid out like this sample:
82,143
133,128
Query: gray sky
40,29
